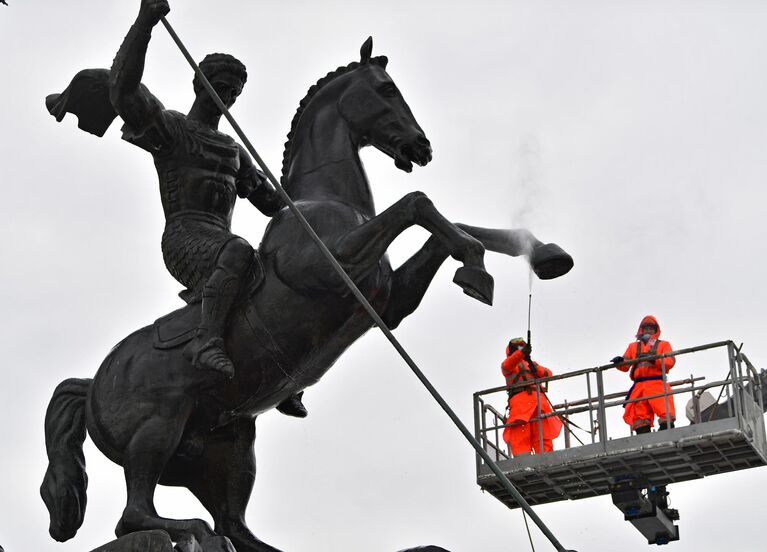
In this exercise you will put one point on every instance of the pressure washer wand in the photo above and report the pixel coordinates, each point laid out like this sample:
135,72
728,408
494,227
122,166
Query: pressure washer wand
529,308
564,420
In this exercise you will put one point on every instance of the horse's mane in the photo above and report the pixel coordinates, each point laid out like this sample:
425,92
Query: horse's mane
313,90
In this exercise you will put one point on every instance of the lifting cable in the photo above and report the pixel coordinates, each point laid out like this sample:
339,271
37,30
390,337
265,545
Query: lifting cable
529,536
507,485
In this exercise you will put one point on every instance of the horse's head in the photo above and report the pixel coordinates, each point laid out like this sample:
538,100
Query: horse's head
377,113
354,106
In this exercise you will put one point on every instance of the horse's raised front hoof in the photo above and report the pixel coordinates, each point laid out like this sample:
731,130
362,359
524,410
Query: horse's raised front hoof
550,261
476,283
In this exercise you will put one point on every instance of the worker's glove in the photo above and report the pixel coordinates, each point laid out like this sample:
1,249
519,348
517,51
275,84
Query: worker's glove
617,360
527,349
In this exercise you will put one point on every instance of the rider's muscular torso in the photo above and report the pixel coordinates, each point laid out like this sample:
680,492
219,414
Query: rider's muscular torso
201,172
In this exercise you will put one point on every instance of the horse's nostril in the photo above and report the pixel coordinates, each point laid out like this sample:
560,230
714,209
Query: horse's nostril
423,141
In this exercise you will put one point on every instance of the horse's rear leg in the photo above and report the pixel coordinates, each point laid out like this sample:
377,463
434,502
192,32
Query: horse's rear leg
229,465
145,459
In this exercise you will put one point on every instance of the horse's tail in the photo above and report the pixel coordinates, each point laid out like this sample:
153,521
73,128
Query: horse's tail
65,482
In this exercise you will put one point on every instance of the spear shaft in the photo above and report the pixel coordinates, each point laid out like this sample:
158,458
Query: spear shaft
502,479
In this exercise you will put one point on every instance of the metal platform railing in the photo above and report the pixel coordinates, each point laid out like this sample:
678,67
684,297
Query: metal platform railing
581,469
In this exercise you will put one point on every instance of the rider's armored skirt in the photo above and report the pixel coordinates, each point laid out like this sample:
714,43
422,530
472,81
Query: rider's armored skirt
190,247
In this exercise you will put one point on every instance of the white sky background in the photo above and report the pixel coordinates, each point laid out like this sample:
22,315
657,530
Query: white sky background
631,133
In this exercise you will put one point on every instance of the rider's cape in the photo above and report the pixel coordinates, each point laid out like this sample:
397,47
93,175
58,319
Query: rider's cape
86,97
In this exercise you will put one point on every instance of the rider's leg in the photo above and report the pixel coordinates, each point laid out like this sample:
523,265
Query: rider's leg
207,351
226,487
218,296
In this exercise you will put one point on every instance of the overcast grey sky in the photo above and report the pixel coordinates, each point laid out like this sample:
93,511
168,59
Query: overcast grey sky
631,133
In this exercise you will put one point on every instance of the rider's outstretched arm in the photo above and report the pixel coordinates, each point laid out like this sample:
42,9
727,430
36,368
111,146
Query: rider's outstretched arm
131,101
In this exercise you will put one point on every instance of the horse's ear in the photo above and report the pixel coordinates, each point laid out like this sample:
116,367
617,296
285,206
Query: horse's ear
366,50
382,61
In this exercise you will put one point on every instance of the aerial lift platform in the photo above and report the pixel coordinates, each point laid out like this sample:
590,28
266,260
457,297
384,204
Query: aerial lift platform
634,469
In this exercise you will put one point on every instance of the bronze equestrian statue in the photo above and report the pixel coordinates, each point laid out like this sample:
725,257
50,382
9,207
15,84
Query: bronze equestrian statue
272,321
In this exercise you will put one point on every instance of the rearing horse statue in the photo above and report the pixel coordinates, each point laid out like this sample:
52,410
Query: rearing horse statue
163,421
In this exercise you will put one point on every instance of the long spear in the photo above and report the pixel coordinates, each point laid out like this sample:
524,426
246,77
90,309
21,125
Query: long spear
360,297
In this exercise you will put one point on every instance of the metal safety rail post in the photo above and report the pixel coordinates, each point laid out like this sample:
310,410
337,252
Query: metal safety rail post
732,438
492,444
734,374
759,380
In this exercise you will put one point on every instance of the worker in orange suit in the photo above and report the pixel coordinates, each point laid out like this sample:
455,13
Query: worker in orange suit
648,379
520,434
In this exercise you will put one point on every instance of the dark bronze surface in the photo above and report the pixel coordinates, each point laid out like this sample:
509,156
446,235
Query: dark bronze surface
165,404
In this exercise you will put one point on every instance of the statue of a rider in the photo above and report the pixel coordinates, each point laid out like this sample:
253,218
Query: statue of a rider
201,173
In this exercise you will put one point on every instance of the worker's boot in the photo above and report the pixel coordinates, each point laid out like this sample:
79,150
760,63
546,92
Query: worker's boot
642,429
662,425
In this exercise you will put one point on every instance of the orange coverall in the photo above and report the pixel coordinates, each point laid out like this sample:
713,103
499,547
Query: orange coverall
523,405
647,378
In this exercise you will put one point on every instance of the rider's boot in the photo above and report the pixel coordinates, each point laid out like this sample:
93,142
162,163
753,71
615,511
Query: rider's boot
207,350
292,406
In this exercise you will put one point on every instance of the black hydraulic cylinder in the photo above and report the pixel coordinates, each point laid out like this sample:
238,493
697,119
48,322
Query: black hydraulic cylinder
646,508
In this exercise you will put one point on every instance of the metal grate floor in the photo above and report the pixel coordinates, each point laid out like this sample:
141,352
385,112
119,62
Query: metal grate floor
665,457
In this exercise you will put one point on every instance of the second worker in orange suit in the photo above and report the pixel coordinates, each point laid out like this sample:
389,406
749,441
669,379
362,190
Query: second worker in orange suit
647,378
520,434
